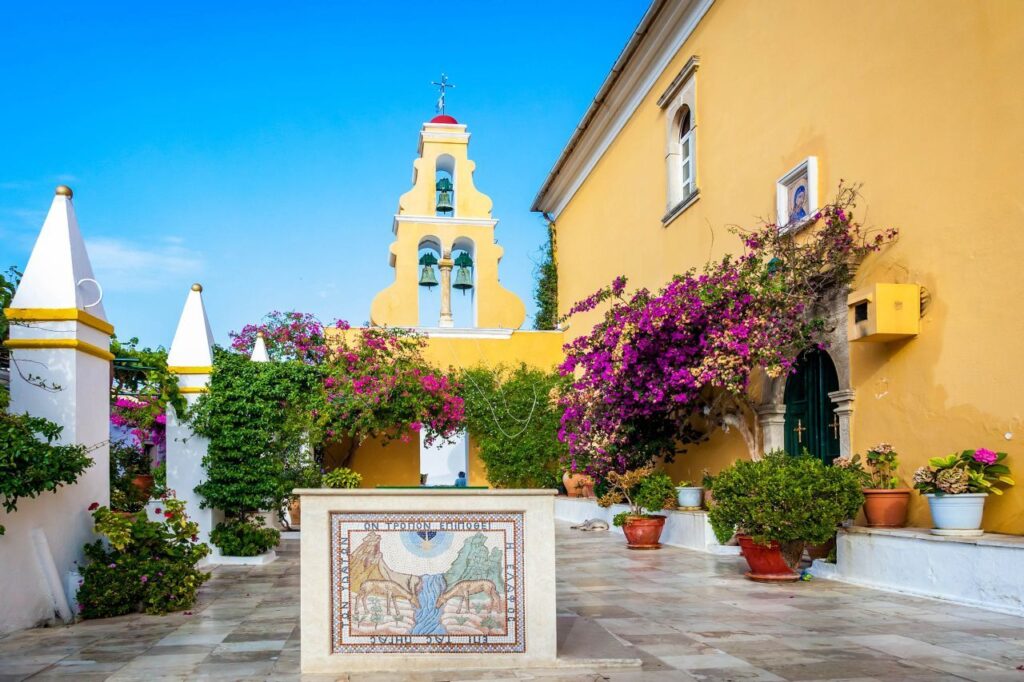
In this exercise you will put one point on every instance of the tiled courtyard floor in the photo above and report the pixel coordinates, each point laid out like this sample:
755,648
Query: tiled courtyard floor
686,615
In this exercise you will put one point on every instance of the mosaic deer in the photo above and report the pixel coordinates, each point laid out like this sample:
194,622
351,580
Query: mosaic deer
464,588
387,589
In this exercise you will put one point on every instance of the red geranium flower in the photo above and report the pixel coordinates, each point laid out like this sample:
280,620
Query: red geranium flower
94,506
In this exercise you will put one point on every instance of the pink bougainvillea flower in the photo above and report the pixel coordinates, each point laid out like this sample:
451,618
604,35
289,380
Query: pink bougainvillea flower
143,578
111,565
985,456
94,506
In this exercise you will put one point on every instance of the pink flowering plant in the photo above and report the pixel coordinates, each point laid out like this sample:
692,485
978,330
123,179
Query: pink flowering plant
970,471
143,565
662,369
379,385
288,336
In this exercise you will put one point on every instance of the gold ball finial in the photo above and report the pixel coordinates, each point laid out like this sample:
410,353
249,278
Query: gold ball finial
64,191
197,287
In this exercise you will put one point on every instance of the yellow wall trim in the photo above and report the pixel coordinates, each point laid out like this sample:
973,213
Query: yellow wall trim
185,369
194,389
75,344
59,315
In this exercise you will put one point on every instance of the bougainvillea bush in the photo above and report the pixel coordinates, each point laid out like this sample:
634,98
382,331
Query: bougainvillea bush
144,565
287,336
660,368
378,384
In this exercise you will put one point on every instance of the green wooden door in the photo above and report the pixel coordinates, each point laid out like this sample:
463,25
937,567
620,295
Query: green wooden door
811,421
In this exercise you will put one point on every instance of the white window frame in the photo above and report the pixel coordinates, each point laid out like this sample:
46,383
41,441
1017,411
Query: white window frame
810,166
679,98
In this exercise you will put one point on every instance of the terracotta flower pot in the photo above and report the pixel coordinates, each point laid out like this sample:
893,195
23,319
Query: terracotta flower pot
886,508
295,512
821,551
578,485
767,564
144,484
644,532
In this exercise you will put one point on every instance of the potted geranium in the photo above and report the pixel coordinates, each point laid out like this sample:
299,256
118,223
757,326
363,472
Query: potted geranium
957,486
644,491
885,500
689,496
778,504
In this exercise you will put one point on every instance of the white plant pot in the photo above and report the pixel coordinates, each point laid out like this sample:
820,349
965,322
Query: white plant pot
957,514
690,496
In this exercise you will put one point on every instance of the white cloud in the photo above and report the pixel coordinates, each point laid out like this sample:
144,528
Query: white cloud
130,266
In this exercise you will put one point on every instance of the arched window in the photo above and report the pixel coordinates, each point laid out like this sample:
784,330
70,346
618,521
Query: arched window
464,310
429,294
687,155
444,177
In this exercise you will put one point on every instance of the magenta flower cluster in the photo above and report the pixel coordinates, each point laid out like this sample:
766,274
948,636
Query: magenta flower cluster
652,371
288,336
143,418
378,384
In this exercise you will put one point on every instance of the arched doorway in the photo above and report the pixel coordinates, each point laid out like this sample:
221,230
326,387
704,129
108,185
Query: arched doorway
811,422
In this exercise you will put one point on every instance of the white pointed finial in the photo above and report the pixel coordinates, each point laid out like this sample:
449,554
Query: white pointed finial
58,274
193,340
259,349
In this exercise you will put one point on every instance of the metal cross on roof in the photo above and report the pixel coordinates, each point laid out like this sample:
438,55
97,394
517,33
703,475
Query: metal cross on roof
442,86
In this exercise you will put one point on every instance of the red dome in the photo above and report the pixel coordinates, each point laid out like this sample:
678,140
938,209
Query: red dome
443,118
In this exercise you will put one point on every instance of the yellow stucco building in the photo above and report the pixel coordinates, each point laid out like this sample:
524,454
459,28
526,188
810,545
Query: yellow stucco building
445,221
717,112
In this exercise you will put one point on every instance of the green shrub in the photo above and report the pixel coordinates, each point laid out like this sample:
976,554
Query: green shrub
512,417
342,478
783,498
30,460
656,492
244,538
148,565
642,489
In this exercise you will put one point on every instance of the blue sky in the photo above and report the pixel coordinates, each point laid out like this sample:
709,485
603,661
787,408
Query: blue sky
261,148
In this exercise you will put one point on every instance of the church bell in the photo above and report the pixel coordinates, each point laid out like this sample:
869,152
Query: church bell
444,196
463,276
428,278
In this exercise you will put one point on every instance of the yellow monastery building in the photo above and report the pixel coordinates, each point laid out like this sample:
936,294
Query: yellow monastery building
718,111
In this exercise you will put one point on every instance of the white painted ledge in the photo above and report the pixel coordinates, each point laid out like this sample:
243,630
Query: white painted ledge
687,529
982,571
216,559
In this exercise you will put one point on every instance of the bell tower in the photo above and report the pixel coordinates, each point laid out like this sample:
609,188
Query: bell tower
444,238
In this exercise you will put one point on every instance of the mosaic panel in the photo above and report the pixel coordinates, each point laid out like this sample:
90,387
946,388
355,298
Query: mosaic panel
416,582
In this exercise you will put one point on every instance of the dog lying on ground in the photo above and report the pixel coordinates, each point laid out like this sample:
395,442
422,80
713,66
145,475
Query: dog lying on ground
592,524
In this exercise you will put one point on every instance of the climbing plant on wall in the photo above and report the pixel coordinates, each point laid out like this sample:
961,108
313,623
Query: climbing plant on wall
512,415
545,290
663,369
253,417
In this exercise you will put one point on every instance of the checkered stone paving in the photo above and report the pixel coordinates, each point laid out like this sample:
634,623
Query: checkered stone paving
685,615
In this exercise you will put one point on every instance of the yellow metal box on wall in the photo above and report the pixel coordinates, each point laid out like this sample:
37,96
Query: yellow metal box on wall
884,312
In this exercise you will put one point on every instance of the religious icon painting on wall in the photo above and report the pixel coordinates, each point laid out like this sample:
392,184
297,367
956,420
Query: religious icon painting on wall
449,582
796,195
